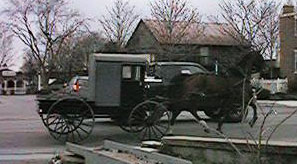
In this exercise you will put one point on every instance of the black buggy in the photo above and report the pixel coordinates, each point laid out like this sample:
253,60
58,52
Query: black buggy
116,89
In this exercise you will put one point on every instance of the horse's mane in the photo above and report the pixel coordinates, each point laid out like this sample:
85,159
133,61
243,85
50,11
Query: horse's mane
249,63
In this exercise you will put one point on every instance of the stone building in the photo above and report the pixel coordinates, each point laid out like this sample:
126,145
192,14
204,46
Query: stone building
12,82
212,44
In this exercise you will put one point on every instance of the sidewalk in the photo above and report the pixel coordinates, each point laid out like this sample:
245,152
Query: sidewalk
30,155
289,104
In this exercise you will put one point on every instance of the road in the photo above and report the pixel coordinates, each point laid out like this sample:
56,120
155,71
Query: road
24,138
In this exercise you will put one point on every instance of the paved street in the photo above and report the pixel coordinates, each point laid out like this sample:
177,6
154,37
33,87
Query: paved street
23,136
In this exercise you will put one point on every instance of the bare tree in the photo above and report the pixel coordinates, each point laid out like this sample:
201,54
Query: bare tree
175,22
6,38
43,26
30,69
75,53
254,23
119,23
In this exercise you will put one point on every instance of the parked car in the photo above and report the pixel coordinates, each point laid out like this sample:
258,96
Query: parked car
78,84
161,74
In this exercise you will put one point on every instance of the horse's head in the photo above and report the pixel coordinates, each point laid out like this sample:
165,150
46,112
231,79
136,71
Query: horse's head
250,63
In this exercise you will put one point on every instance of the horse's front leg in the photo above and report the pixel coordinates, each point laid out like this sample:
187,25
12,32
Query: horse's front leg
200,121
255,116
220,123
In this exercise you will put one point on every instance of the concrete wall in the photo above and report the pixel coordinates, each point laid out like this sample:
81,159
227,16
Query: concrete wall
218,150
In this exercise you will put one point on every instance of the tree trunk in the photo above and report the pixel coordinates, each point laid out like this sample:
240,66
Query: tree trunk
44,79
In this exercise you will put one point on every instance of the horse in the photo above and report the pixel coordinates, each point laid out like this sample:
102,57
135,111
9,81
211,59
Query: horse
221,97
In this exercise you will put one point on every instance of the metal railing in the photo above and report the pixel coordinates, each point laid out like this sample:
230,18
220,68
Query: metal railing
274,86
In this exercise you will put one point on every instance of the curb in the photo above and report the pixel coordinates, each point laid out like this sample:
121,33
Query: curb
145,155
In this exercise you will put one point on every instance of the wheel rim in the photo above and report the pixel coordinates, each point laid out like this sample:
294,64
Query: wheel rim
74,125
150,119
123,123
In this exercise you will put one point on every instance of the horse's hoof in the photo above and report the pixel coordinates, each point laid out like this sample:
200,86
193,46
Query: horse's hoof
220,131
252,122
206,130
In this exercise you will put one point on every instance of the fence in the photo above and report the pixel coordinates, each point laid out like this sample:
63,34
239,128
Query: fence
13,91
274,86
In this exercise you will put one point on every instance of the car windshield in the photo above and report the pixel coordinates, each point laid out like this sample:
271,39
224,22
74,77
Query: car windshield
167,72
72,81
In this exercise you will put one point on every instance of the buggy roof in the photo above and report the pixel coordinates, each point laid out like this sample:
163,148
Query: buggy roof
141,58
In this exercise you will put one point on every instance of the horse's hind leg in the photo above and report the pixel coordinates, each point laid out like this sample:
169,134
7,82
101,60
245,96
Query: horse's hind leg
255,116
175,113
221,122
200,121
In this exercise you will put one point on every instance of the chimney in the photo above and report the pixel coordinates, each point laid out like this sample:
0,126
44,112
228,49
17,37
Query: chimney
287,9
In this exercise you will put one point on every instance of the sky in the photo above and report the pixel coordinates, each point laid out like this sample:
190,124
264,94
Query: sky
96,8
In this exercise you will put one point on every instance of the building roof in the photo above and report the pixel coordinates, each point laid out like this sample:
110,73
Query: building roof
197,33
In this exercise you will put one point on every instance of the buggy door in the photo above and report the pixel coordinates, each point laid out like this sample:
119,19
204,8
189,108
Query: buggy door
132,89
108,84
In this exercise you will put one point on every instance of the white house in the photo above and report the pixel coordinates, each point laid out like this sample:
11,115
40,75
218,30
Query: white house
12,82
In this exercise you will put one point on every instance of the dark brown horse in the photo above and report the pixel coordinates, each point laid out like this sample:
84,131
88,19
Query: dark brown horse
221,97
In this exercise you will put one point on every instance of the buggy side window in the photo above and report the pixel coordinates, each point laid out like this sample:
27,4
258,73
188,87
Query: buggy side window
131,72
127,72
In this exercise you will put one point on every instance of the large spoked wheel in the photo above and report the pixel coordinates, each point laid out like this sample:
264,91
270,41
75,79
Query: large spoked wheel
150,119
70,119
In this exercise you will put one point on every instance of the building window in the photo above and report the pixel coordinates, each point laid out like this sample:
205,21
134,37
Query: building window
204,55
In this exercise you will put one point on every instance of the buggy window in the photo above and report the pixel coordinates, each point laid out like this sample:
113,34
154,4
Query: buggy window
131,73
127,72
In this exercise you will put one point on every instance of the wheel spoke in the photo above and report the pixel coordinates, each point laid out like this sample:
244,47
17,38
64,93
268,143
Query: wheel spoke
159,130
83,130
53,121
57,129
85,124
149,132
56,125
144,134
161,126
71,128
78,134
154,132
